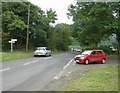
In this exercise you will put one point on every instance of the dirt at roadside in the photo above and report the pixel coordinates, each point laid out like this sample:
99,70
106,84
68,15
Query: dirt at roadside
72,72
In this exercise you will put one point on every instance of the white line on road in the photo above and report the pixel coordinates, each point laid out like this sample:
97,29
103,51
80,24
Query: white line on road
35,61
67,64
61,72
4,69
47,57
31,62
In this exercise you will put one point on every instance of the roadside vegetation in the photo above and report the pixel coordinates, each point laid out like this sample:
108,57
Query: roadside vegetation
94,22
41,31
113,56
15,55
6,55
105,79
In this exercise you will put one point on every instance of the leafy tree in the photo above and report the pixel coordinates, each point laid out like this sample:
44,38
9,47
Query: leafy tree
53,39
14,24
93,21
51,15
63,36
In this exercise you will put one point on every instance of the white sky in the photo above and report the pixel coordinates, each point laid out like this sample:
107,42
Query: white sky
60,6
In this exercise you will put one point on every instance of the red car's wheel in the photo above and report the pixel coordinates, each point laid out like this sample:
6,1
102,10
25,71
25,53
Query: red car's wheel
86,61
103,61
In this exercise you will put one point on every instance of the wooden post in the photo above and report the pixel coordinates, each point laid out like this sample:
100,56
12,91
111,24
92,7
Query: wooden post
27,37
11,46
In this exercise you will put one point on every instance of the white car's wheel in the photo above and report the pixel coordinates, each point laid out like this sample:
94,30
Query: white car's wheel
103,61
86,61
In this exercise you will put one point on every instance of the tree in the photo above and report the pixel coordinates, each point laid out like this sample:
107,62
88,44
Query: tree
93,21
63,36
51,15
14,24
53,39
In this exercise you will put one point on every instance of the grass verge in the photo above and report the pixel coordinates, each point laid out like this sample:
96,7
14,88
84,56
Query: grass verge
112,56
21,54
105,79
15,55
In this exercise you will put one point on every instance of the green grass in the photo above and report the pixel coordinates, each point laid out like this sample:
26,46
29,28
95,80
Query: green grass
112,56
75,46
20,54
15,55
105,79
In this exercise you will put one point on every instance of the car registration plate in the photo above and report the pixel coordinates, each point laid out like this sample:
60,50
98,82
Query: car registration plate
40,53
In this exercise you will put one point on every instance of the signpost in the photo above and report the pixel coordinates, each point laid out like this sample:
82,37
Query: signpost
12,41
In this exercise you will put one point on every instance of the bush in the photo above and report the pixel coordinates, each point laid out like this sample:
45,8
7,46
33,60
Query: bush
106,49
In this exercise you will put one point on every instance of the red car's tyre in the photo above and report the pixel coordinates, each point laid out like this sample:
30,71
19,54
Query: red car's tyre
86,61
103,61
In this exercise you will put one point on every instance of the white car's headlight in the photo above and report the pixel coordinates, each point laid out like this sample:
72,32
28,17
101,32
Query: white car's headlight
82,57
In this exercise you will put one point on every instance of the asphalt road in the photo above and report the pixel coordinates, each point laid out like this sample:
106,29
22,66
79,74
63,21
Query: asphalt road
42,73
32,74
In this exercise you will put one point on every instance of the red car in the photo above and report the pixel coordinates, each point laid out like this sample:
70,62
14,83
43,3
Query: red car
91,56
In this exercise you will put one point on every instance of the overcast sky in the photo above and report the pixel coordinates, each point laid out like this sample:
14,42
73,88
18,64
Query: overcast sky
60,6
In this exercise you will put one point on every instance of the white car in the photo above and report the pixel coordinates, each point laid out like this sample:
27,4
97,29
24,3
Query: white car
42,51
77,50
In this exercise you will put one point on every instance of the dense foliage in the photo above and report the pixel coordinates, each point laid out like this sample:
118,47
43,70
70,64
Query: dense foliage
41,33
94,21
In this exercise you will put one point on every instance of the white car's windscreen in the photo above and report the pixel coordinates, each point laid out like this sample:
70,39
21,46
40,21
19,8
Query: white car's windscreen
40,48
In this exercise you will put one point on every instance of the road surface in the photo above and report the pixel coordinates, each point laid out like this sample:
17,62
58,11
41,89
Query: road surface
41,73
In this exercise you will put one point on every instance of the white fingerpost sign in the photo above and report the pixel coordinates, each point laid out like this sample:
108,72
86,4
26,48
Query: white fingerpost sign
12,41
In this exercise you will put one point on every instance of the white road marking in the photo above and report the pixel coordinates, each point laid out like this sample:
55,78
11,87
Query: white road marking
47,57
4,69
23,64
56,77
74,61
31,62
60,73
67,64
35,61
